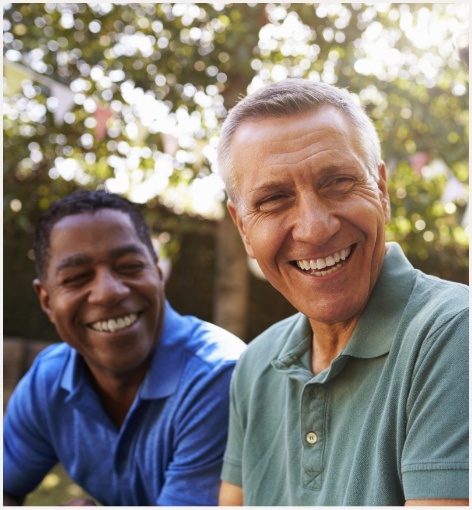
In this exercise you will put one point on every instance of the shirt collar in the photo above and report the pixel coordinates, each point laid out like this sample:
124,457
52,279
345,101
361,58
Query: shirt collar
382,314
168,360
164,370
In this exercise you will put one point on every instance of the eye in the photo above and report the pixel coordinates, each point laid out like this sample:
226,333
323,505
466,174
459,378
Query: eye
272,202
75,279
341,184
341,180
131,267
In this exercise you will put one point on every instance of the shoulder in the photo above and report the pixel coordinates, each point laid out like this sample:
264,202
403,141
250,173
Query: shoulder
50,362
211,344
435,289
41,384
433,334
436,302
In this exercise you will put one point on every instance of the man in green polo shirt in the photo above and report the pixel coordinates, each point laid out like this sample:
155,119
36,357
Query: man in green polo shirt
362,397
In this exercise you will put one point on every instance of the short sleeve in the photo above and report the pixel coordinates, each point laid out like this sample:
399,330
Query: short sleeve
435,455
193,477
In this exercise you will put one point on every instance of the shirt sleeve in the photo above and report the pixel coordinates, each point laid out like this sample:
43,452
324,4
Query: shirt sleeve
193,477
28,454
435,454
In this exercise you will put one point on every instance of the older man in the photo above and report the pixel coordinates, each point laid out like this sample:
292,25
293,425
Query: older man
134,403
362,397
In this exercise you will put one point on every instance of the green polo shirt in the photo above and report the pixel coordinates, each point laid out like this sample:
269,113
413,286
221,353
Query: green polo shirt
385,423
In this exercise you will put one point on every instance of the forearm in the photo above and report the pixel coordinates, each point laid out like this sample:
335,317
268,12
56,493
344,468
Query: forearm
230,495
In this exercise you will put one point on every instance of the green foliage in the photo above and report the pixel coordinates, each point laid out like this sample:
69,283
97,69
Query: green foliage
56,489
163,69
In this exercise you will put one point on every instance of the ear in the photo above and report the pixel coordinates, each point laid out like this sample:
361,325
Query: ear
43,296
239,223
382,184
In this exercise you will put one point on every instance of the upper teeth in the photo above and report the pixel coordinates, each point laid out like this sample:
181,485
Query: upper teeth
115,324
329,261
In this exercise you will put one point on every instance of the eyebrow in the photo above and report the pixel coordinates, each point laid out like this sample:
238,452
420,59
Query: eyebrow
82,259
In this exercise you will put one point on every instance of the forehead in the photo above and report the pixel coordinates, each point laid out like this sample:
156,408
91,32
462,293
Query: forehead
289,131
285,146
94,231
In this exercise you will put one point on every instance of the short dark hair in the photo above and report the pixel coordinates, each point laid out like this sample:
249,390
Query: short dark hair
78,202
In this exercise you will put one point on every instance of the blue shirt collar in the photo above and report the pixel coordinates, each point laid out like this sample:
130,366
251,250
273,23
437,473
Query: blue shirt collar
165,368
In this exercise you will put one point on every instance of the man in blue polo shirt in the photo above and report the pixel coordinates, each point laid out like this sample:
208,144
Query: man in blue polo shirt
362,397
134,403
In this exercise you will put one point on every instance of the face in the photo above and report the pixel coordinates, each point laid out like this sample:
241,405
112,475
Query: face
103,292
309,211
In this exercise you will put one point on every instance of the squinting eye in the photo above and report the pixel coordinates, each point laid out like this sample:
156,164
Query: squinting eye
75,279
341,183
131,268
271,202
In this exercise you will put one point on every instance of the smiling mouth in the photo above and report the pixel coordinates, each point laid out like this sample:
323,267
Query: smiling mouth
324,266
117,324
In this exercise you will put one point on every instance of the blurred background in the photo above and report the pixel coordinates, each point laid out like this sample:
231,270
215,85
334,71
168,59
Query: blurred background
129,97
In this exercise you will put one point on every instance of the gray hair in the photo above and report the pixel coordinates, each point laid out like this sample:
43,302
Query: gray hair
291,97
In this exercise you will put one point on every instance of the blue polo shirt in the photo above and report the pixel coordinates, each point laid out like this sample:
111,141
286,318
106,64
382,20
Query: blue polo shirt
386,422
168,450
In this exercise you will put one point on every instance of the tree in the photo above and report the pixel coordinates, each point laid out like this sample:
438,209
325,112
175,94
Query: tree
131,96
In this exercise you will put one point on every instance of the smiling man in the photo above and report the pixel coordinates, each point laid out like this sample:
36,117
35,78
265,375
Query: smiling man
362,397
134,403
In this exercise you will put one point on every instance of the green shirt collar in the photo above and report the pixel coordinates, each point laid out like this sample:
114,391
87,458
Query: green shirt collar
388,300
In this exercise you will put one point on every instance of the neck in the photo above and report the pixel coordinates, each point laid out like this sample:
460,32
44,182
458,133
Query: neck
116,393
328,341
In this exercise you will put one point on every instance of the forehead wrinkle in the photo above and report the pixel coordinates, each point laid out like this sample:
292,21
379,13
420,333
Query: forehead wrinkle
344,162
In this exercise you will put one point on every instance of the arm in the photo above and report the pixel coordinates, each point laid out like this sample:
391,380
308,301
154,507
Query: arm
230,495
435,459
27,453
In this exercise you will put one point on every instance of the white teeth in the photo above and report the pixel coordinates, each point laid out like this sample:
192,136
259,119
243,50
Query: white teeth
113,325
326,263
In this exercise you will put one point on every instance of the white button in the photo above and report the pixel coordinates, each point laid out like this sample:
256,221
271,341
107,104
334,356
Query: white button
311,437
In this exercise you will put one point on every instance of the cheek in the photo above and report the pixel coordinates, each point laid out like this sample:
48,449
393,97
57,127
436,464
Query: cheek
265,237
63,310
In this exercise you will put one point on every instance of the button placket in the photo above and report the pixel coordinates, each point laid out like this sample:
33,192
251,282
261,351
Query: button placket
312,434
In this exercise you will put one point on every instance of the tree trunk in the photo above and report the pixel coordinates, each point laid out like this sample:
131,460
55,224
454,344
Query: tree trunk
231,294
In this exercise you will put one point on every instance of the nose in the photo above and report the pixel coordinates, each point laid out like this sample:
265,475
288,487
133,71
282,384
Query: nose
107,288
315,220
